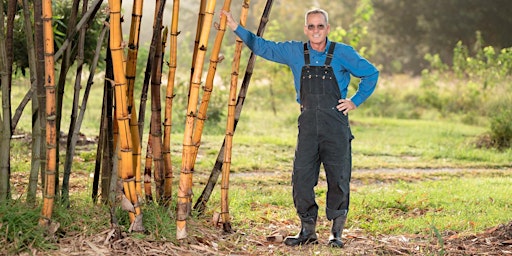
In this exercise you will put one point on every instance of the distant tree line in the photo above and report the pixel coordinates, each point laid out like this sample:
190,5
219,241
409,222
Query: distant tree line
399,34
404,30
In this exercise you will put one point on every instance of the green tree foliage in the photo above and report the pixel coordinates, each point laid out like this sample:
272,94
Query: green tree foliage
61,11
407,30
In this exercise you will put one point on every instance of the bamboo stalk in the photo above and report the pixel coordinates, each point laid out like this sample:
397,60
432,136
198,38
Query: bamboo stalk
199,28
156,121
208,87
216,170
40,86
83,106
36,129
65,65
122,115
111,134
169,96
75,123
51,133
5,117
131,71
230,124
149,64
147,170
101,146
185,184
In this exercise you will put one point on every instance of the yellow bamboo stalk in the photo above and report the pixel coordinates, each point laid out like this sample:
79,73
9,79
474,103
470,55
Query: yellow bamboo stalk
122,115
51,132
199,27
230,125
169,96
131,71
185,184
208,88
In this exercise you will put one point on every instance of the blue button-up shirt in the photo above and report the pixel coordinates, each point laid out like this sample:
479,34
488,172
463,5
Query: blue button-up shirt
345,61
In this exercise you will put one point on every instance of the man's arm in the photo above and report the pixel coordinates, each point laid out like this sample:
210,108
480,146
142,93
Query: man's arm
280,52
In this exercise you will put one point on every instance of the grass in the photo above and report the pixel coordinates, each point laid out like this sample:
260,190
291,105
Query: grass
384,201
468,204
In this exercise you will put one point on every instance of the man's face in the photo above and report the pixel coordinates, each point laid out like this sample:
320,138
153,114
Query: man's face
316,28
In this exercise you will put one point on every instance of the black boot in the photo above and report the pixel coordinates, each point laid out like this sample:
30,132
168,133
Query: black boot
337,228
307,234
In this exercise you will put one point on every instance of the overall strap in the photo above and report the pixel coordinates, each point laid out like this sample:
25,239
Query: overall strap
306,54
330,54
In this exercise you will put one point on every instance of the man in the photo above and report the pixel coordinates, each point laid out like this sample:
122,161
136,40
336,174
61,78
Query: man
321,71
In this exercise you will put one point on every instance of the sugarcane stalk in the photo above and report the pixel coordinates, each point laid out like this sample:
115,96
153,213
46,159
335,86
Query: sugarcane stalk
169,96
230,125
51,133
131,71
122,116
185,184
217,168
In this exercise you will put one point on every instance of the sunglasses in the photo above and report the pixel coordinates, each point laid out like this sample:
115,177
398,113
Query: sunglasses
319,27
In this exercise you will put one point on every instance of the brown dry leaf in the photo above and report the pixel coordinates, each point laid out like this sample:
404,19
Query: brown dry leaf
508,242
216,219
127,204
277,236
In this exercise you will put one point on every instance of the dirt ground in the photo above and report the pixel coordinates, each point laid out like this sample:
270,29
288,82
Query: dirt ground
494,241
210,240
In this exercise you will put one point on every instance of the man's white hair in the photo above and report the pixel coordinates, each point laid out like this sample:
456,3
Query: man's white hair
316,11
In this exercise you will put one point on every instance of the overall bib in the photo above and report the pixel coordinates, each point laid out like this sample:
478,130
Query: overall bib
324,137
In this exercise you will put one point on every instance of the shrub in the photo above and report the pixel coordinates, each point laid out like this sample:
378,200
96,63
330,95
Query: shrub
501,128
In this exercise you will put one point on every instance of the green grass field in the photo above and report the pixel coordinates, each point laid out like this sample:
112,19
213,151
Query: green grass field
409,177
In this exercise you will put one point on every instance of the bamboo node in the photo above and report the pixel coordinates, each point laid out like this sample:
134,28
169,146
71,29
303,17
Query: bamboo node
187,171
49,197
129,179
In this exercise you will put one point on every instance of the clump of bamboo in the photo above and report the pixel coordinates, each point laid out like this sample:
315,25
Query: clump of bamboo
122,117
217,168
169,96
188,157
51,132
230,125
208,87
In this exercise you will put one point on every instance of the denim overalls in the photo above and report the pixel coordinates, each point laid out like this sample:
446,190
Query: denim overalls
324,137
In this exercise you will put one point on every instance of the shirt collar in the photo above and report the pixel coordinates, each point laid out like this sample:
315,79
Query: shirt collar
327,45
